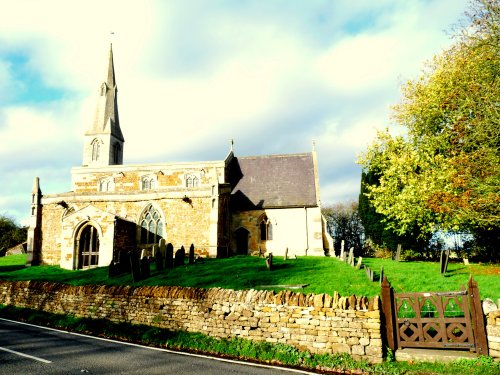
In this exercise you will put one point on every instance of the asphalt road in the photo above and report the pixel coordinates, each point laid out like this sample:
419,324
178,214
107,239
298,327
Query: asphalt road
28,349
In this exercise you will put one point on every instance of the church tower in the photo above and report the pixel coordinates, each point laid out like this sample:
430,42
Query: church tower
103,144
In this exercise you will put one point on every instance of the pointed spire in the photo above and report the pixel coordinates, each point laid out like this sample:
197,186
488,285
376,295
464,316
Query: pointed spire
104,138
106,119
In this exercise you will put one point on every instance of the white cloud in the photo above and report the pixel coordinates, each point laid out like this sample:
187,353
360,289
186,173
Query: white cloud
193,74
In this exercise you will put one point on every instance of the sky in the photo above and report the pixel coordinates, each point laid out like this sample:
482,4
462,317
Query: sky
272,75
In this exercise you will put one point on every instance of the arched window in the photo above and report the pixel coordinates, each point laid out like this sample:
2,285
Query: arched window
151,226
192,181
96,149
265,229
88,247
148,183
106,184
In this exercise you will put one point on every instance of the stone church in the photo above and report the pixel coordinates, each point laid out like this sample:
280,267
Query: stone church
238,205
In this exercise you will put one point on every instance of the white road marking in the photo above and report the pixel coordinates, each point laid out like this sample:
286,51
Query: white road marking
298,371
25,355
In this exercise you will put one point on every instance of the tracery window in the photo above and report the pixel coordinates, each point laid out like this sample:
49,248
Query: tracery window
151,226
265,229
96,149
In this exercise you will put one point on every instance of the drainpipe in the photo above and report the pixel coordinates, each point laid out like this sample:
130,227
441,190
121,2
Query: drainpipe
307,231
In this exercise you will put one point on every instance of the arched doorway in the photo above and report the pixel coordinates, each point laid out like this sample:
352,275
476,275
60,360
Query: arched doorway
242,241
87,245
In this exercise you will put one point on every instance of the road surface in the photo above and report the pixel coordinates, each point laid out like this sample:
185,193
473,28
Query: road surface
28,349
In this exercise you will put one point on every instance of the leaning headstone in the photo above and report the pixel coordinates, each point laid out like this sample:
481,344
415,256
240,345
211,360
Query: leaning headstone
269,262
358,265
398,253
191,254
180,255
443,261
135,266
381,275
169,256
145,268
159,260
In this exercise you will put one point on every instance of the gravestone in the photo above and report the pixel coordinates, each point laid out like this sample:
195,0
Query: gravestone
398,253
445,255
163,247
269,262
191,254
135,266
180,255
381,275
159,260
124,259
286,253
466,261
369,273
145,268
350,258
169,256
144,253
114,269
342,255
358,265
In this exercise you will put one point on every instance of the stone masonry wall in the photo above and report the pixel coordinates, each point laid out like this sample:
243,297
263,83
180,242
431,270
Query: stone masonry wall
318,323
493,333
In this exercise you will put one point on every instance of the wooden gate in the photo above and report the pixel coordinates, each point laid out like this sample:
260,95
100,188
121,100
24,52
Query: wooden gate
440,320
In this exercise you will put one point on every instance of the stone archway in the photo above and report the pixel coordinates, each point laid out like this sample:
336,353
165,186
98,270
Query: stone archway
87,247
242,241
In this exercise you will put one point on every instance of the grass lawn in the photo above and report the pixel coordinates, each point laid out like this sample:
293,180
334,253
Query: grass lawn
321,274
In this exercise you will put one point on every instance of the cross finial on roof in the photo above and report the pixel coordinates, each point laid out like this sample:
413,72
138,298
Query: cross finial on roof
314,145
231,143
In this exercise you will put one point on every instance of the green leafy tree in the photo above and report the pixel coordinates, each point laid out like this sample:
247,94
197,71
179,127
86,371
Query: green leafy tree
11,234
445,173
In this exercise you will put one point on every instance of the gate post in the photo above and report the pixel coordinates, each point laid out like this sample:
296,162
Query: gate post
478,326
387,294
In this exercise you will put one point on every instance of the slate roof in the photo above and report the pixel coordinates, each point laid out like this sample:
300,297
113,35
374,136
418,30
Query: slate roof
272,181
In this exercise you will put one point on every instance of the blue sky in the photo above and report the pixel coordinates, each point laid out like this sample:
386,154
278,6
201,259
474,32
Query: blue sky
193,74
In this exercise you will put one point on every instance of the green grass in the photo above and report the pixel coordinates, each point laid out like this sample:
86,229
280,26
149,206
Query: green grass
322,274
240,348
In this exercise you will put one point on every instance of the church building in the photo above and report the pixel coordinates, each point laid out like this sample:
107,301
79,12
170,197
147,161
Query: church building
238,205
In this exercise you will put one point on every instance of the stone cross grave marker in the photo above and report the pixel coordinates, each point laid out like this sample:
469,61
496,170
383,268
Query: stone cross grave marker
169,256
180,255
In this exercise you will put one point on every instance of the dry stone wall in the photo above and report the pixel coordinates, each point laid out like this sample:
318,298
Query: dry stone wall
493,333
318,323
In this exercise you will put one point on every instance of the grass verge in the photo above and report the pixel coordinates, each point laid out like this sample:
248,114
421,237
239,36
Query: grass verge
276,354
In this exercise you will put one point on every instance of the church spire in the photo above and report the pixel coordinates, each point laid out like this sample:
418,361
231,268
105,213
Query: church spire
104,139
